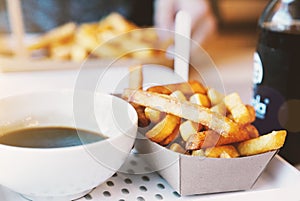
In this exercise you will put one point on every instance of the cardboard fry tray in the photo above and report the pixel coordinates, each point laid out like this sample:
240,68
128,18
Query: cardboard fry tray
190,175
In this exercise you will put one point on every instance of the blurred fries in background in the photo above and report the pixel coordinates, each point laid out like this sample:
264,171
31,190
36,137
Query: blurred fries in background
111,37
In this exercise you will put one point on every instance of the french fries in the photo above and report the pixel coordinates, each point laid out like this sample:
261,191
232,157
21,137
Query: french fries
186,88
168,127
192,119
183,109
143,121
177,148
160,90
153,115
179,95
210,138
200,99
225,151
220,108
111,37
59,34
261,144
214,96
238,110
189,128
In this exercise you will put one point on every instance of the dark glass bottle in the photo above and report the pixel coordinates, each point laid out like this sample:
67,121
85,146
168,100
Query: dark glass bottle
276,80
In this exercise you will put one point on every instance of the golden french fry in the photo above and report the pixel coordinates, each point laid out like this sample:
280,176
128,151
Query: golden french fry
60,51
210,138
188,128
164,128
252,114
160,90
179,95
55,35
225,155
230,116
156,115
199,152
195,141
263,143
225,151
237,109
214,96
177,148
143,121
117,22
172,137
240,114
106,35
86,36
187,88
251,130
219,108
184,109
200,99
78,53
197,87
153,115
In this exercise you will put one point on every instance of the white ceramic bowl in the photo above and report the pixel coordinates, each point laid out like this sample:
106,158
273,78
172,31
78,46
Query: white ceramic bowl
69,172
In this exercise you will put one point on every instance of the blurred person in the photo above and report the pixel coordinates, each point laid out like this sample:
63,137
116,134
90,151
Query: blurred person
43,15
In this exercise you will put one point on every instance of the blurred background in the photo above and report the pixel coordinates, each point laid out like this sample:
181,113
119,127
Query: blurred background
236,19
238,13
237,27
231,46
230,14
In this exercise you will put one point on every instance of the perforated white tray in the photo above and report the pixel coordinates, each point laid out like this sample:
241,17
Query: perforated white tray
280,181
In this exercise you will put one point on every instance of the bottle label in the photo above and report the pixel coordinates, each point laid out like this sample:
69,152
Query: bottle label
258,69
260,105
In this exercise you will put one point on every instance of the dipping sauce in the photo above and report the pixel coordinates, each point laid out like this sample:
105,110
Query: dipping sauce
49,137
